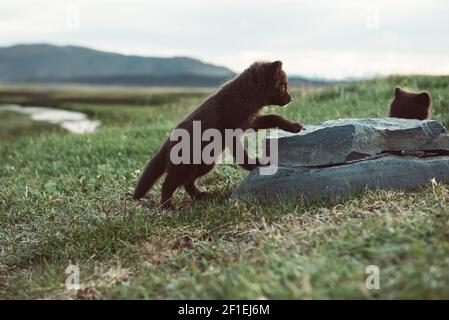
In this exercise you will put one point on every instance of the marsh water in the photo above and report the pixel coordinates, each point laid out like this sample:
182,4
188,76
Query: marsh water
72,121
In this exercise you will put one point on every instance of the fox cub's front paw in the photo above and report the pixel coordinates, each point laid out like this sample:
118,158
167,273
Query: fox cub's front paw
295,127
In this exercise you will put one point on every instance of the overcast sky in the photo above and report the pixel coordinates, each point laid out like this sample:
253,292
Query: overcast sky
333,39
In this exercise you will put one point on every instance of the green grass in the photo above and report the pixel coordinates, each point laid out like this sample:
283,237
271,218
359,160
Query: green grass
56,96
64,199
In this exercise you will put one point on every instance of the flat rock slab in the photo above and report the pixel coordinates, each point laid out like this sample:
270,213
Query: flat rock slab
343,140
340,157
387,172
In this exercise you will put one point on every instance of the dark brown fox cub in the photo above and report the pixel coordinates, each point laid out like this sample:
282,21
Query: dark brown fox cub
411,105
234,106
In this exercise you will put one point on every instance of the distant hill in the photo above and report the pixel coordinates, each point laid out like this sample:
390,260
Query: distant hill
44,63
71,64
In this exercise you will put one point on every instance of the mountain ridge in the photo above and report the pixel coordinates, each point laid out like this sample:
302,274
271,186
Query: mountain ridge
47,63
50,63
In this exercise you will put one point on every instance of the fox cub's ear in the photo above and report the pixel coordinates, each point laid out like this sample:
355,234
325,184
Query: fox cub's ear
277,66
424,97
397,91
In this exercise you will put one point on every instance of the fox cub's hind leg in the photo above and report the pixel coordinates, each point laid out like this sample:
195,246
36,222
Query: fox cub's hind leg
191,188
171,183
193,191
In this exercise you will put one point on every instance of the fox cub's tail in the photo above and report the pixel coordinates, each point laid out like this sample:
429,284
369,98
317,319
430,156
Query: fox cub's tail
153,170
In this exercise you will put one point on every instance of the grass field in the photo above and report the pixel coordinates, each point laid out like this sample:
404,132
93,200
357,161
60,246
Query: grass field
64,199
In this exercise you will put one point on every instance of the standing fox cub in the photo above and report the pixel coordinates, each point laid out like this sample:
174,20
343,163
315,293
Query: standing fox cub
235,105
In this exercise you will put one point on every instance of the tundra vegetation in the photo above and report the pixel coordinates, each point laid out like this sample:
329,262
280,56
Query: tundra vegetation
65,199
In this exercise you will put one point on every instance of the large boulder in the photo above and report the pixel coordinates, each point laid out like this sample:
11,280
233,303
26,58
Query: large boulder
343,140
339,157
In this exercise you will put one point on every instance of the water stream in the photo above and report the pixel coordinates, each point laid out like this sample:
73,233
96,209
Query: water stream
72,121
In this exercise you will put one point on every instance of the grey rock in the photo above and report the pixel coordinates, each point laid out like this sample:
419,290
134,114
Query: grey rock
342,140
388,172
340,157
